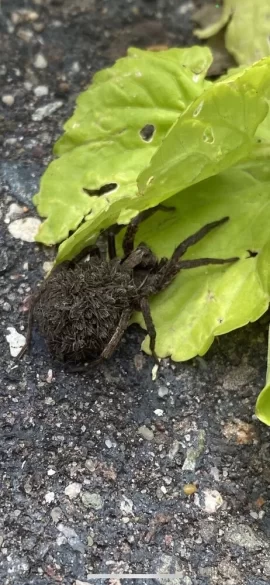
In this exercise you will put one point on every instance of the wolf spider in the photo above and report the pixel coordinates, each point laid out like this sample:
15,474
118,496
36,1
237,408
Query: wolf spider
83,309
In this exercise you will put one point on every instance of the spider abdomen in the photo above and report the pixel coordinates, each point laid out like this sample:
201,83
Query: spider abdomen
80,306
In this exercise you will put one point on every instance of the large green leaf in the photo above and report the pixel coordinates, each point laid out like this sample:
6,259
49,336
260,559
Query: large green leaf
204,302
213,133
104,142
248,31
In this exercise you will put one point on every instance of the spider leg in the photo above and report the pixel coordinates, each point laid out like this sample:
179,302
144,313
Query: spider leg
129,237
183,264
145,309
191,240
118,334
28,339
111,246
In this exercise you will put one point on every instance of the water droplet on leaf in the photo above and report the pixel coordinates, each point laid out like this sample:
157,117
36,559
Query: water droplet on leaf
208,135
198,110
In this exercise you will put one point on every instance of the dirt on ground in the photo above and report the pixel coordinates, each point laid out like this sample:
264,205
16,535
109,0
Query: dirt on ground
114,471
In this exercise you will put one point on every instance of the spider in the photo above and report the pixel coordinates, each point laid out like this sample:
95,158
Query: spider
84,308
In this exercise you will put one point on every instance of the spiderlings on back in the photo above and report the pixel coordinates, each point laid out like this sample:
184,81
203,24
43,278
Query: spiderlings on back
84,308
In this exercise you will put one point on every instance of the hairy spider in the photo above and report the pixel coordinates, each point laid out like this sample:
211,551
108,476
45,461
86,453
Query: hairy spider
83,308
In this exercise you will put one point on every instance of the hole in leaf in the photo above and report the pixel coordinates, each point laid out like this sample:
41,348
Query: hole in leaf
102,190
252,254
147,132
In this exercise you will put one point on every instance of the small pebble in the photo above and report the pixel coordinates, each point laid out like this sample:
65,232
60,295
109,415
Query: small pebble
209,501
25,229
159,412
46,111
240,432
15,340
51,472
73,490
47,266
71,536
126,506
90,541
23,15
90,464
14,211
56,514
92,500
163,391
75,67
154,372
244,536
38,26
41,90
49,376
108,443
25,34
8,100
4,261
49,497
146,433
40,62
62,89
174,449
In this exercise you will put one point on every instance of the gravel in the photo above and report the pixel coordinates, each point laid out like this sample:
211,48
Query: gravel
129,468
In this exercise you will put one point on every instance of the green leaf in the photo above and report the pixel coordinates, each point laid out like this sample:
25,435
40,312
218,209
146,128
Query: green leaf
213,133
263,401
104,141
204,302
248,31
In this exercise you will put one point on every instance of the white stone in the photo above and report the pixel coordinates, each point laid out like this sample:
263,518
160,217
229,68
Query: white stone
209,501
14,211
51,471
126,506
15,340
41,90
40,62
46,111
47,266
8,100
49,497
25,34
154,372
159,412
73,490
25,229
108,443
146,433
163,391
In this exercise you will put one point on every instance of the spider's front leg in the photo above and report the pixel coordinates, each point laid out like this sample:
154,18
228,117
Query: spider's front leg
172,266
151,330
129,237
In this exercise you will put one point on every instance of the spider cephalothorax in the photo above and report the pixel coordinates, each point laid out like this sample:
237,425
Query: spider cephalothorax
83,308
